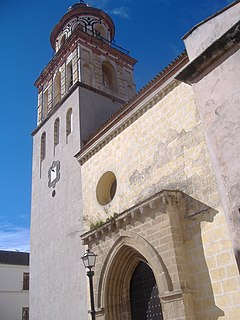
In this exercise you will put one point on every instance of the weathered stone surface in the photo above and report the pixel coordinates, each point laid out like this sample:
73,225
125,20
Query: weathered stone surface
165,149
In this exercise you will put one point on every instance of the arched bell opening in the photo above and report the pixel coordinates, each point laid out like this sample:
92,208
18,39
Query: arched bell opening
109,76
100,31
63,39
57,88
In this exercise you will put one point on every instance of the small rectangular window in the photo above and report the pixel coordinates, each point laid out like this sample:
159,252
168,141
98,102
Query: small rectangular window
25,313
26,281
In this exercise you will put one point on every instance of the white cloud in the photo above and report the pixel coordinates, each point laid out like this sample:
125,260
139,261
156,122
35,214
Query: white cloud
14,238
121,11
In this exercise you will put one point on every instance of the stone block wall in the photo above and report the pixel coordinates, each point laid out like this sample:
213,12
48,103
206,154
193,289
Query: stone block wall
165,149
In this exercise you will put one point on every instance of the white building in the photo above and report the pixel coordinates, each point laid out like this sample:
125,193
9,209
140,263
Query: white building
14,285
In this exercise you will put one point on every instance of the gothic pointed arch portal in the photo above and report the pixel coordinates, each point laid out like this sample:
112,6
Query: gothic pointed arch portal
118,280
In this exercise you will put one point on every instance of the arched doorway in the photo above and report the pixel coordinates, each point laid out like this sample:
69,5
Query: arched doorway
144,296
117,273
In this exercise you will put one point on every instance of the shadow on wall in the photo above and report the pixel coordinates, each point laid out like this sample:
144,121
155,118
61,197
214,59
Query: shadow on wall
195,216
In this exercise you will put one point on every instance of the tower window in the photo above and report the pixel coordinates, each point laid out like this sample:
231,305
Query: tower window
57,88
69,122
26,281
63,39
100,31
43,146
109,76
45,104
69,75
56,132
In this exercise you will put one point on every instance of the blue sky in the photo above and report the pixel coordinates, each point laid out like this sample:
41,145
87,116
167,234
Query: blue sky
151,30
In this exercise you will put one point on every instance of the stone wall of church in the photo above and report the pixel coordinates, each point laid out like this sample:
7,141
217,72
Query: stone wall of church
150,232
165,149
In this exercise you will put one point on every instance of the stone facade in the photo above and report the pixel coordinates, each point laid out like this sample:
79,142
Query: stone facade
164,149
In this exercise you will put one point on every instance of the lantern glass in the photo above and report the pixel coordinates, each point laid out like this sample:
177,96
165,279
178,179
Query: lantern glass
89,259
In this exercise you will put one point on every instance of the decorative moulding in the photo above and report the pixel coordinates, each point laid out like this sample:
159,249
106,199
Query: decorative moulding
157,203
191,213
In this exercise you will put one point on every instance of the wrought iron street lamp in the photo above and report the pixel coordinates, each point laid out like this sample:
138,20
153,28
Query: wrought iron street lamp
89,259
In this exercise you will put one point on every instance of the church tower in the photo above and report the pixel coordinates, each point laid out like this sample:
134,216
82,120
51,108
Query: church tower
87,79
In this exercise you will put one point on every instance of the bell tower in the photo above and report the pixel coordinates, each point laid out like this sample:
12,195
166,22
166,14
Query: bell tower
87,79
87,58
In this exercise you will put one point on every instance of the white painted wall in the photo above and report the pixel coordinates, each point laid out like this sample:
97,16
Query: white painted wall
12,297
58,278
205,34
219,112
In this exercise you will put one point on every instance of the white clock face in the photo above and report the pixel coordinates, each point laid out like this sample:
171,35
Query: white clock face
54,174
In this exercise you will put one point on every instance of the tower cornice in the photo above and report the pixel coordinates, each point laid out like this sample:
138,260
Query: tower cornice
70,44
73,88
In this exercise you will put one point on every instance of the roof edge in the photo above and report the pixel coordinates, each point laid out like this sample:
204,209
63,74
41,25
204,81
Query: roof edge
164,78
14,258
209,18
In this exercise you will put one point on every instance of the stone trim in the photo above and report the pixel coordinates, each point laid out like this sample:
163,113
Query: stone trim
174,295
193,213
126,121
158,201
210,18
99,311
127,242
65,97
71,43
120,247
215,51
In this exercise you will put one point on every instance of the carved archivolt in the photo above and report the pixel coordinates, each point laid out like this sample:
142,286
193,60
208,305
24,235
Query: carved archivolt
118,268
130,237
